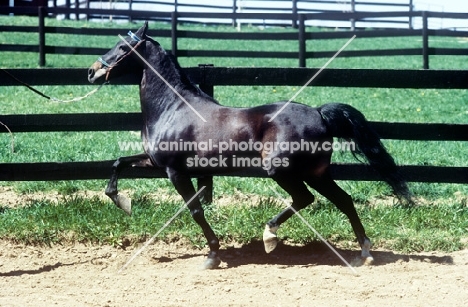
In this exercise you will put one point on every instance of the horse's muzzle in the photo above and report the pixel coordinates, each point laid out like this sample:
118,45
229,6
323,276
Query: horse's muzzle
96,72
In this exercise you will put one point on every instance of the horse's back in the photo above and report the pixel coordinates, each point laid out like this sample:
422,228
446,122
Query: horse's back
291,120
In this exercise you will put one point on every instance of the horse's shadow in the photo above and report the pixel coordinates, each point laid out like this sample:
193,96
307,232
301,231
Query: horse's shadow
45,268
312,254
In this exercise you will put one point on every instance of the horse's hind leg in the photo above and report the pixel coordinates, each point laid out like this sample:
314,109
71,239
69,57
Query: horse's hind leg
301,197
328,188
141,160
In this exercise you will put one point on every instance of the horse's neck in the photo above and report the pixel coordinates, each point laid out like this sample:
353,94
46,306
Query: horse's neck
166,65
163,80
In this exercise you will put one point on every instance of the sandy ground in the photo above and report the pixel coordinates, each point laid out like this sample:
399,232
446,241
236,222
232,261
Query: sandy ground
169,275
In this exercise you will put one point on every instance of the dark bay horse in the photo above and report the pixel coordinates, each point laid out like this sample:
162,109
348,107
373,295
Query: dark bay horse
188,133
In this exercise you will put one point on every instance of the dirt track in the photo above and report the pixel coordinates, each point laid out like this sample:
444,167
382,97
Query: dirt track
168,275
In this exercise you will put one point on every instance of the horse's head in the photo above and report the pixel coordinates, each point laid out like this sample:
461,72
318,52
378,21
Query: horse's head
121,58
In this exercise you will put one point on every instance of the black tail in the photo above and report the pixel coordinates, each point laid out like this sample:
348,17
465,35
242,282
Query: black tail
346,122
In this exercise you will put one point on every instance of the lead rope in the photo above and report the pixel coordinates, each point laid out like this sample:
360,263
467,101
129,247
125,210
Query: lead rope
82,97
45,96
11,136
53,98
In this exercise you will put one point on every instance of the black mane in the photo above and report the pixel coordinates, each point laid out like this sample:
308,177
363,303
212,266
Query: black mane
181,75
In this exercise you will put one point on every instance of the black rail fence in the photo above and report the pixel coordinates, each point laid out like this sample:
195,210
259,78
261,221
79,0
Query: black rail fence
293,7
301,36
207,77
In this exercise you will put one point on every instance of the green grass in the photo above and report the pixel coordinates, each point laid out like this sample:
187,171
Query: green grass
439,225
420,228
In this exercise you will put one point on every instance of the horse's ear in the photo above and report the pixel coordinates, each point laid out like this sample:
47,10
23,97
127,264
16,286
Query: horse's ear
142,31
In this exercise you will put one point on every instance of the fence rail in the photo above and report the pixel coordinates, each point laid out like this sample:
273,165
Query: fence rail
293,7
50,171
211,76
132,122
44,47
207,77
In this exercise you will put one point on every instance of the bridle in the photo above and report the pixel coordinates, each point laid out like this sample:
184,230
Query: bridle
133,49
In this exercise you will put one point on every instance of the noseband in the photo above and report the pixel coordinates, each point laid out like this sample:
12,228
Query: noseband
133,37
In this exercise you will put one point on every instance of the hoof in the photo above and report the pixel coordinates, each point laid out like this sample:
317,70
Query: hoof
367,260
211,263
124,203
361,261
366,257
270,240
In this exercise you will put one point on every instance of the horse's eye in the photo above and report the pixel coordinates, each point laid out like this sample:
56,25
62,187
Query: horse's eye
123,49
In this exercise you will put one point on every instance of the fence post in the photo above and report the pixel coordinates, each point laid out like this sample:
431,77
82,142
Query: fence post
234,11
294,14
67,5
410,21
425,39
87,8
77,9
302,41
207,195
41,15
208,89
174,33
130,7
353,10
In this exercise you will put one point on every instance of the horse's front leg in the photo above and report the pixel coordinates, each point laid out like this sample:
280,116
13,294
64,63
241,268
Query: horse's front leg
124,203
184,186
